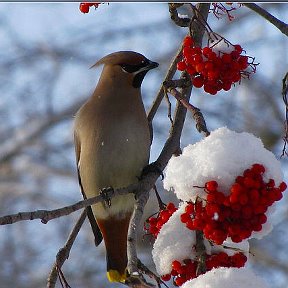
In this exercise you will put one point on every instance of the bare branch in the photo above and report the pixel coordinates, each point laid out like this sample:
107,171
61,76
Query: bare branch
169,75
64,252
182,22
282,26
196,113
47,215
284,96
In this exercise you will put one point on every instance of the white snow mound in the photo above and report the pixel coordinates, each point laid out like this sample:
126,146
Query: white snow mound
174,242
222,156
227,278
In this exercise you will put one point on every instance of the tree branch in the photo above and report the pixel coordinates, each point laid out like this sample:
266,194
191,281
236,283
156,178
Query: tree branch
180,21
47,215
172,144
64,252
196,113
282,26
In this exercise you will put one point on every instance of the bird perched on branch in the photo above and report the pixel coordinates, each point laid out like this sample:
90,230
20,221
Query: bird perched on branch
112,144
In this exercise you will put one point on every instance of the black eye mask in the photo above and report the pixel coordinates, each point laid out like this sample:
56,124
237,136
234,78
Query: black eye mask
133,68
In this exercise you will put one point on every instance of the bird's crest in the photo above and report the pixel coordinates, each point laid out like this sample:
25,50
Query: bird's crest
121,57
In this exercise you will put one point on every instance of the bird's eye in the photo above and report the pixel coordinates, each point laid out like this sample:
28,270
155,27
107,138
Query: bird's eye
129,68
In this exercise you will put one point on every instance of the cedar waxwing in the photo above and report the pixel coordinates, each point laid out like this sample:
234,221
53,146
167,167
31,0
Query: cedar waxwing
112,143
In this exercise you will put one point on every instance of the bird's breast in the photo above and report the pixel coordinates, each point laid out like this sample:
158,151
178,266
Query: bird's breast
114,149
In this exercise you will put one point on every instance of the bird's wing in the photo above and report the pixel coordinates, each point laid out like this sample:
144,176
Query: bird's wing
95,228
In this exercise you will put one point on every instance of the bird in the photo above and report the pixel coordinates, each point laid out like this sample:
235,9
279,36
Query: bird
112,145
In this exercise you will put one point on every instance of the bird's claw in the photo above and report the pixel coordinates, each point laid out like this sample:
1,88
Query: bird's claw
137,281
104,192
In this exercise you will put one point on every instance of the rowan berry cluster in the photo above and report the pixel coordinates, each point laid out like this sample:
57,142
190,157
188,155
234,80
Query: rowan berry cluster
85,6
238,214
156,223
182,272
213,69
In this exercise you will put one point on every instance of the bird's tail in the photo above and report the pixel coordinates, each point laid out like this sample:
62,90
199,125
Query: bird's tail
114,231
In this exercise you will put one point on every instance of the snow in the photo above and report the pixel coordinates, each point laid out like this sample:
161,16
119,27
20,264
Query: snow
230,248
222,156
174,242
223,47
227,278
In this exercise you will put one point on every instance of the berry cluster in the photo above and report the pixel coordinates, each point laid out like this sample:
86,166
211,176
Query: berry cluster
156,223
214,70
238,214
182,272
85,6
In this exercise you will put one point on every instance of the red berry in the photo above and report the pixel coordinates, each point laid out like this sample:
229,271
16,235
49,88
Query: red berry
206,51
84,7
185,217
243,62
171,207
211,186
282,186
199,67
176,265
166,277
188,41
181,66
226,58
238,48
180,280
190,70
165,215
198,81
227,85
258,168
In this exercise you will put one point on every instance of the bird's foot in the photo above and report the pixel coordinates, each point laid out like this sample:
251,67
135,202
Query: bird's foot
154,168
136,280
104,192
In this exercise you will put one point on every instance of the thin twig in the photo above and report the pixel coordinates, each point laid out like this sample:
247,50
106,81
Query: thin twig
159,97
284,96
169,113
196,113
64,252
160,202
150,274
282,26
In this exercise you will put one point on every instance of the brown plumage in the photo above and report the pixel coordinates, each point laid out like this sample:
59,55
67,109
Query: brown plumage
112,144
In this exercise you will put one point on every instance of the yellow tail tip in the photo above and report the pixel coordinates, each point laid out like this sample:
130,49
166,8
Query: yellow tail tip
115,276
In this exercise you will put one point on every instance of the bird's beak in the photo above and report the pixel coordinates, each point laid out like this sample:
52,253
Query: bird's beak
151,65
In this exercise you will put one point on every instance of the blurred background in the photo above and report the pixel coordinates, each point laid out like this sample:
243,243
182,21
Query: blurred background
46,50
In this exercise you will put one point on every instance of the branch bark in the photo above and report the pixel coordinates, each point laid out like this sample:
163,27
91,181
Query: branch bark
47,215
64,252
282,26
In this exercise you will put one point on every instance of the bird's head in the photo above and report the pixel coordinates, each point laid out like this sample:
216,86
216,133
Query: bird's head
128,65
